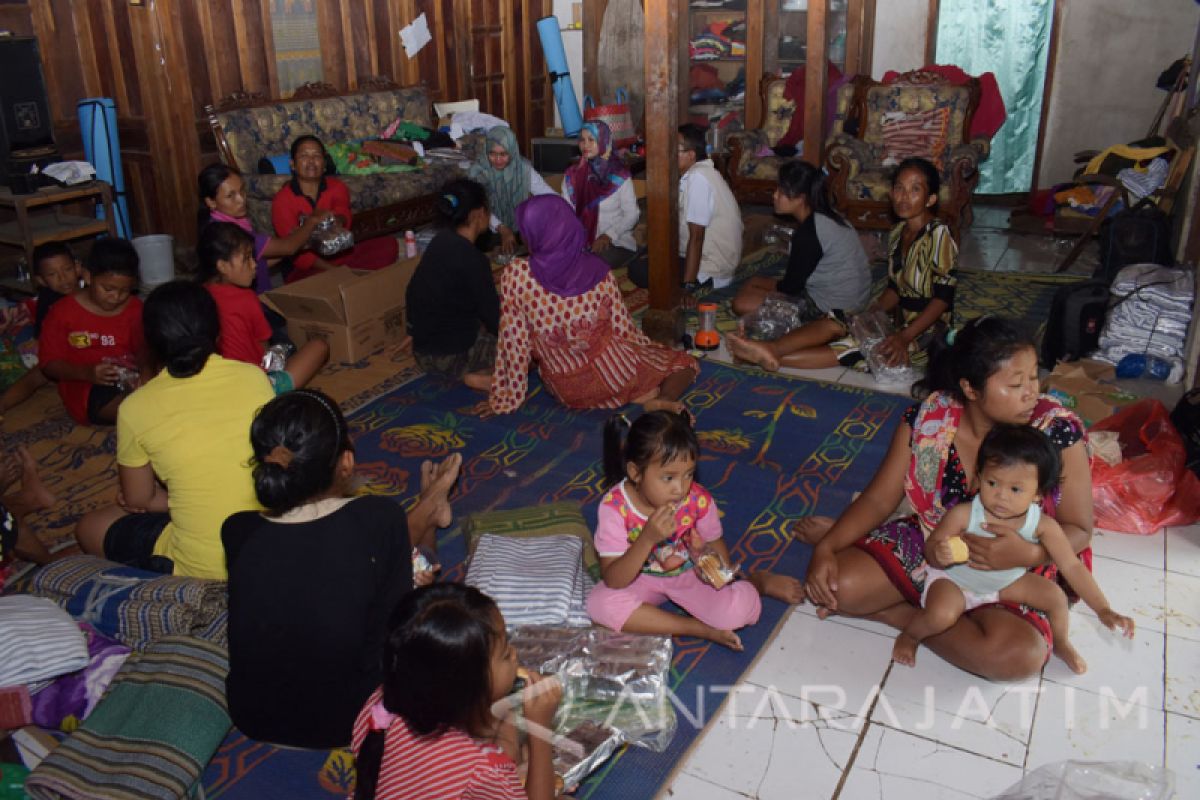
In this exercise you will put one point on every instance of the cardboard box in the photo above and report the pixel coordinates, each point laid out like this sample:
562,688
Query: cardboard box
357,313
1081,385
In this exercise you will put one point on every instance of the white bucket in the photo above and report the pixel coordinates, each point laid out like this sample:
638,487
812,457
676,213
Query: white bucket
156,258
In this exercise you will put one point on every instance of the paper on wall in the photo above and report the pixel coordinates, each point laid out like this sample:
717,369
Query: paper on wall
415,35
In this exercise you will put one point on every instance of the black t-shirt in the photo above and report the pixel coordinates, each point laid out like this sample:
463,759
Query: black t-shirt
309,604
803,257
450,295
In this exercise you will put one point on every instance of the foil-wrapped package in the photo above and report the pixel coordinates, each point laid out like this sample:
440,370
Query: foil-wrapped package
275,358
778,314
330,238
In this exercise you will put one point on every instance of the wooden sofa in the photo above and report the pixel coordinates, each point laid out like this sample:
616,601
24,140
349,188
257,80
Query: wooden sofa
249,127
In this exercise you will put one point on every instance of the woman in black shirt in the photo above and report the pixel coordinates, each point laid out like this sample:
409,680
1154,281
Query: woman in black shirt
453,308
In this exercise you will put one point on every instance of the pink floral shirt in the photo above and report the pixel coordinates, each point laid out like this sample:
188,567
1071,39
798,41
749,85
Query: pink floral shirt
619,523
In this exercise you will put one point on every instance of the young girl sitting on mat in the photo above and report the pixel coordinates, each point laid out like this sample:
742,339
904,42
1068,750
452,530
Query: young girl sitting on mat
1018,466
648,526
437,726
226,256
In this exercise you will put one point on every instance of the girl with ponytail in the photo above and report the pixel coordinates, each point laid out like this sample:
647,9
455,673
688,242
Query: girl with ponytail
313,523
183,456
453,307
827,272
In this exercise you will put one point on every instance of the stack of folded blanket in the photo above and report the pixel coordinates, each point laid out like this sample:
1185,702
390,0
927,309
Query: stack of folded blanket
534,581
1151,311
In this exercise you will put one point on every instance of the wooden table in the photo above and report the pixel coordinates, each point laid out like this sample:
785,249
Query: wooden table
39,219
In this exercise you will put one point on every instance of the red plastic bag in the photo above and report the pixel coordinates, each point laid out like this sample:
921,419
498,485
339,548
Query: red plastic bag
1152,487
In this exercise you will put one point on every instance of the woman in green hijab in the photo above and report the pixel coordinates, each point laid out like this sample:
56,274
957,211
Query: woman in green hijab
509,180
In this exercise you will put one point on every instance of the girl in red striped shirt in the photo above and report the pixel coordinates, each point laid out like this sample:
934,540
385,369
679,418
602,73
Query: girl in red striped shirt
431,731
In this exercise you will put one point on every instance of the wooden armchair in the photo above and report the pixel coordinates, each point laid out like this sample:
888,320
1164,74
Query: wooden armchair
753,177
879,127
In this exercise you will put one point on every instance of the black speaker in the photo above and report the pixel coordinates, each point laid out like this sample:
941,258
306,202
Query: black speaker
25,122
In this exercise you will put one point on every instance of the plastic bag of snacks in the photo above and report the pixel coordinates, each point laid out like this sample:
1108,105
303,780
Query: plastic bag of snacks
777,315
330,238
869,329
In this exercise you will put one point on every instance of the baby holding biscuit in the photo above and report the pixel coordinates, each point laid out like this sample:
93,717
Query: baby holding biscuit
1017,467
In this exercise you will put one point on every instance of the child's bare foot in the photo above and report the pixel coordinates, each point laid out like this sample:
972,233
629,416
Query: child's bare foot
754,352
436,482
781,587
904,651
33,491
727,638
811,530
1070,657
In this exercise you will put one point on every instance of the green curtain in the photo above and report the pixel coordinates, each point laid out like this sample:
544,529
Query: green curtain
1011,39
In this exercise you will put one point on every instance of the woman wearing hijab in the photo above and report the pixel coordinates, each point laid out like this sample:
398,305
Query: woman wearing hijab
561,308
599,189
509,180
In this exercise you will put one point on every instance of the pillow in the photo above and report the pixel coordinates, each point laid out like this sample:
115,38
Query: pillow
38,641
920,135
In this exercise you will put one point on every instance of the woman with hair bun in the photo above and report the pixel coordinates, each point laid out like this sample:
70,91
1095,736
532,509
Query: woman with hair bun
303,659
181,436
453,308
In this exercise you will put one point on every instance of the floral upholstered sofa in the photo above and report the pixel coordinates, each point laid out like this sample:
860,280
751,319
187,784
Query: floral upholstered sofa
877,125
248,128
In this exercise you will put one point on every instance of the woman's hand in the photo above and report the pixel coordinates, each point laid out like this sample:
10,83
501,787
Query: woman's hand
601,244
482,409
508,240
541,697
893,350
316,218
1005,551
820,585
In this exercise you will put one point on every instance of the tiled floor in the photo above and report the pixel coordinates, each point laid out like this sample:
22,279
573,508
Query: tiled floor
824,713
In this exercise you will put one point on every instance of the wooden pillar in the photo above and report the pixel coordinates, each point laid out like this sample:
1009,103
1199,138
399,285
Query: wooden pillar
593,20
166,89
662,65
815,82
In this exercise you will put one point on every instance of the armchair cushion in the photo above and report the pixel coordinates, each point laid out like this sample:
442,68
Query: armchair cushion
921,134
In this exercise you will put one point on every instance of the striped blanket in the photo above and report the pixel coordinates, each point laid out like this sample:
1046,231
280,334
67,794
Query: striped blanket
151,736
534,581
130,605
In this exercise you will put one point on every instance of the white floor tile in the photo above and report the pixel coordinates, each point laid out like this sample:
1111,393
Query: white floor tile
891,764
864,380
1146,551
1125,668
1183,605
689,787
1183,676
1072,723
832,665
938,701
1133,590
1183,754
764,744
1183,549
868,625
829,375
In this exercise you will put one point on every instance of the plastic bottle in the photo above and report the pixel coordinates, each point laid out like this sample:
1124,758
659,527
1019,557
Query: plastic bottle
410,244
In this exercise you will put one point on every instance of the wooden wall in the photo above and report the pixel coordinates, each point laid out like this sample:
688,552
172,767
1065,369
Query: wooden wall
163,61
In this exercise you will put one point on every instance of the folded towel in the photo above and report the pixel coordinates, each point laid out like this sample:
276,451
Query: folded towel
533,581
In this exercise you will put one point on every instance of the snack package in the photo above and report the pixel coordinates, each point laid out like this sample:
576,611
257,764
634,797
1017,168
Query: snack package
778,314
711,566
330,238
275,358
869,329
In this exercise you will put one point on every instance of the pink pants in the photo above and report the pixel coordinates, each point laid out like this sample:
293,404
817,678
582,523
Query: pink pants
727,609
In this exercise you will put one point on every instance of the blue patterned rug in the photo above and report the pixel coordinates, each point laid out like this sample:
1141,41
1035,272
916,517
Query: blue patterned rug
773,448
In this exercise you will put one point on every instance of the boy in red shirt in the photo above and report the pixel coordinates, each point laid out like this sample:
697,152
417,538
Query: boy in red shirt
91,341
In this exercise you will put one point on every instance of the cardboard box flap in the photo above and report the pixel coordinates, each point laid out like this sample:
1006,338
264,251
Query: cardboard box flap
317,298
373,293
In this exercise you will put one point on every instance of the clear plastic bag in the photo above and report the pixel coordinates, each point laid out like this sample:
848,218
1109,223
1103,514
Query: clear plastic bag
275,358
615,691
1089,780
330,238
869,329
778,314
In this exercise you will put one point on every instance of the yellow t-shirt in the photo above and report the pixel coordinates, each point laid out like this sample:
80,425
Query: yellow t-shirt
195,433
